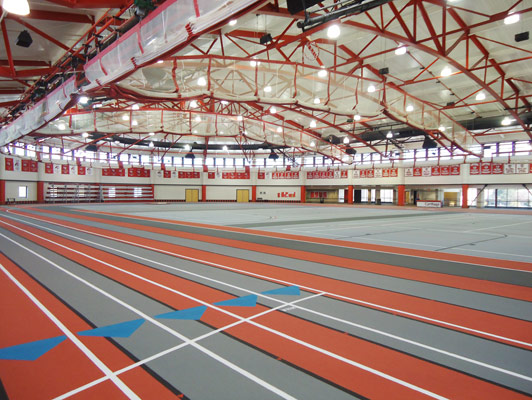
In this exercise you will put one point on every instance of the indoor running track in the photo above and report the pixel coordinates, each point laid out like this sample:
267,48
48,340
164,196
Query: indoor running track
98,305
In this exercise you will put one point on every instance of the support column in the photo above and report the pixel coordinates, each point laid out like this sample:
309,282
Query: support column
253,194
400,195
40,192
350,194
2,191
303,194
464,196
378,195
203,193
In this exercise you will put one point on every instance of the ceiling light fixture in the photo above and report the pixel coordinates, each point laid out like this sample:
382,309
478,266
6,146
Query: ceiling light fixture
224,102
357,117
279,129
202,81
446,71
371,88
512,18
267,89
125,117
480,96
409,108
61,126
135,107
273,110
150,144
239,118
346,140
313,123
312,143
134,122
197,119
193,104
441,128
85,134
233,22
19,7
187,147
400,50
317,100
160,61
83,100
151,133
389,135
333,32
322,73
506,121
224,148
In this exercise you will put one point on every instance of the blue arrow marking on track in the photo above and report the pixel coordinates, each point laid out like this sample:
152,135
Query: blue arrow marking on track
123,329
30,351
245,301
289,290
194,313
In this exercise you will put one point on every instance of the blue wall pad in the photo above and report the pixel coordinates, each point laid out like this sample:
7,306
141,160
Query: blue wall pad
289,290
123,329
194,313
30,351
245,301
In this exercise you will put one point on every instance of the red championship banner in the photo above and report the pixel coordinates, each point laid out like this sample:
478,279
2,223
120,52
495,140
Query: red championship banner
113,172
235,175
409,172
188,175
418,171
34,166
135,172
318,195
445,170
530,169
363,173
9,164
327,174
261,175
474,169
167,174
435,171
211,175
485,168
370,173
82,170
455,170
285,175
48,168
65,169
497,169
25,165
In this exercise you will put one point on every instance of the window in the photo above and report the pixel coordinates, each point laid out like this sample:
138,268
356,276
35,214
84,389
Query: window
144,159
137,192
124,158
30,151
364,195
103,157
55,153
23,192
19,151
387,195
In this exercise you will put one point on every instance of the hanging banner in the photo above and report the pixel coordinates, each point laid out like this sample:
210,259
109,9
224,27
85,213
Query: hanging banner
113,172
485,168
509,169
16,165
418,171
445,170
377,173
474,169
25,166
135,172
48,168
167,174
435,171
497,169
65,169
188,175
211,175
326,174
9,165
82,170
426,171
521,168
260,175
409,172
285,175
235,175
455,170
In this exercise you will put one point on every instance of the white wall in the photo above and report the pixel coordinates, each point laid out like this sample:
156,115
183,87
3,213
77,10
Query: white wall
12,190
271,193
173,192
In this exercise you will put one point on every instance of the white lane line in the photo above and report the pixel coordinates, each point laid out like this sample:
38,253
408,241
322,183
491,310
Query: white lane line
260,326
260,276
373,330
224,229
180,346
498,226
84,349
462,249
208,352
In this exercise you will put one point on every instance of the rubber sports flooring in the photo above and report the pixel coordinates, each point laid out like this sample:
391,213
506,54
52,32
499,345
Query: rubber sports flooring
110,305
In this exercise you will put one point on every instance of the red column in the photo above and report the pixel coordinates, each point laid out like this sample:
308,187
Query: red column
40,192
253,193
400,195
203,193
350,193
464,196
303,194
2,191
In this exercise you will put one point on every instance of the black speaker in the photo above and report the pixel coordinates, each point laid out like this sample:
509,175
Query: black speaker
351,151
520,37
428,143
24,39
91,147
295,6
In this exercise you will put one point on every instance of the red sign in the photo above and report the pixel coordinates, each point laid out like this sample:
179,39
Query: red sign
318,195
138,172
65,169
25,166
113,172
455,169
445,170
435,171
261,175
82,170
188,174
327,174
235,175
474,169
530,168
9,164
211,175
285,175
286,194
370,173
485,168
497,169
48,168
167,174
418,171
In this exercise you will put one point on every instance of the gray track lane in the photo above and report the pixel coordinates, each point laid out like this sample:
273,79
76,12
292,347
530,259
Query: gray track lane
496,354
480,301
187,369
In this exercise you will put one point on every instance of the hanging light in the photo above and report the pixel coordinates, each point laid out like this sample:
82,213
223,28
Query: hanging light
510,19
125,117
346,140
61,126
267,89
19,7
202,81
357,117
135,107
85,134
312,144
197,119
389,135
150,144
446,71
239,118
317,100
322,73
371,88
279,129
224,148
233,22
441,128
409,108
193,104
506,121
187,147
313,123
83,100
134,122
273,110
333,32
151,134
400,50
480,96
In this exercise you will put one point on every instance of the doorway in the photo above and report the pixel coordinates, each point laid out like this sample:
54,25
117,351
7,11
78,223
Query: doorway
242,195
191,195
